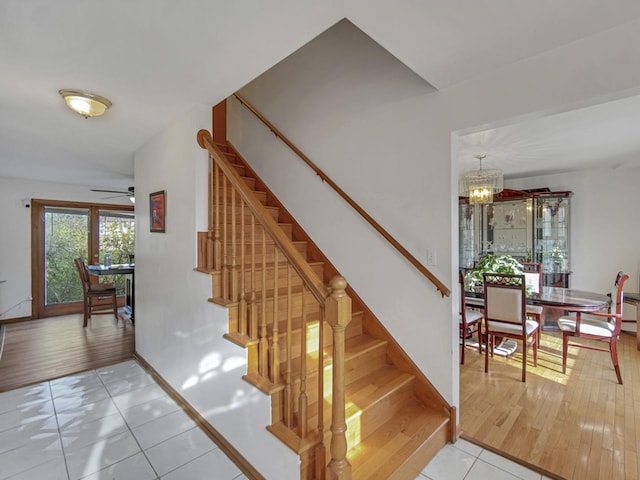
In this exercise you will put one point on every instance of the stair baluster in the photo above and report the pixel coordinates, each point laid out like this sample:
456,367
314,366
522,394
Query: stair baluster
225,239
234,241
302,398
288,392
212,201
275,348
320,453
263,347
338,309
253,304
242,310
217,246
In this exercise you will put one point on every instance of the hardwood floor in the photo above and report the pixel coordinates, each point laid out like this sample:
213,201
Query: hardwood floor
38,350
582,425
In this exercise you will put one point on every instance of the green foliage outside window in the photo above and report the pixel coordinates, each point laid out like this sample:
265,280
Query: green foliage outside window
66,238
117,237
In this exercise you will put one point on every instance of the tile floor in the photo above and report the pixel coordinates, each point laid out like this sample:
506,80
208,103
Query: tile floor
117,423
467,461
110,423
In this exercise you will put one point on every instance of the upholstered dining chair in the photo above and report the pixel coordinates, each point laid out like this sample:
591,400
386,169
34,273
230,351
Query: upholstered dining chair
599,326
470,321
99,298
505,315
533,280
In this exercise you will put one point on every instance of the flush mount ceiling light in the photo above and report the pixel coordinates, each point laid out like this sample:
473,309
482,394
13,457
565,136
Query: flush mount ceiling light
86,104
480,185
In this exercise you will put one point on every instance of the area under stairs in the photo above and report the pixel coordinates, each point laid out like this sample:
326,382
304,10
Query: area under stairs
396,420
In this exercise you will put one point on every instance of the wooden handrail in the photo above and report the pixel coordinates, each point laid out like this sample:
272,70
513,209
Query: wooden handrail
442,288
296,259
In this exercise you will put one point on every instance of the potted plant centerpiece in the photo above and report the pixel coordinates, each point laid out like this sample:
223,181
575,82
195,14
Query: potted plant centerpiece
491,263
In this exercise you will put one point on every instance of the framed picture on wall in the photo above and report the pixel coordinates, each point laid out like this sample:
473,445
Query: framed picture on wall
157,210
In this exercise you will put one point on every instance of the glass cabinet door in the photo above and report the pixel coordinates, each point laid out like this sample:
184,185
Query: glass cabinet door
531,226
507,228
468,233
552,237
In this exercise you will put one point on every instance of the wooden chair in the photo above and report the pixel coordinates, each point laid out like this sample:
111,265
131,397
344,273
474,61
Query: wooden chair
533,280
470,321
599,326
97,296
505,315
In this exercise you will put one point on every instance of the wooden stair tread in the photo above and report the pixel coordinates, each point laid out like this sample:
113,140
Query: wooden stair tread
395,441
358,345
365,392
374,386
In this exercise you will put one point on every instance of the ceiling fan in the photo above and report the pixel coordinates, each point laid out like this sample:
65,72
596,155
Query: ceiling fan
129,193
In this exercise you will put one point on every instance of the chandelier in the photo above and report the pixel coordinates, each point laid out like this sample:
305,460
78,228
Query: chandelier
480,185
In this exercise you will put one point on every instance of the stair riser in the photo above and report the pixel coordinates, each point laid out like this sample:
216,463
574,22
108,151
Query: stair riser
223,147
359,428
262,196
250,291
269,249
240,169
373,357
312,309
249,181
353,329
296,281
273,212
257,235
357,367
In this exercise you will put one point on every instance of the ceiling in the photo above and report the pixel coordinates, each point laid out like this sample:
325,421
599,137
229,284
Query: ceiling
155,58
606,135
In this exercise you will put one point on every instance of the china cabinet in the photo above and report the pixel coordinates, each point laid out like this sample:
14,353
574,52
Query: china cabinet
528,225
551,237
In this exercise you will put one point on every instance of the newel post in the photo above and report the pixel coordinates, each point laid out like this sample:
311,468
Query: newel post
338,315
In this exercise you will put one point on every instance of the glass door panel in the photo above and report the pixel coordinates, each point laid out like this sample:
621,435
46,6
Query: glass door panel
117,238
62,231
66,238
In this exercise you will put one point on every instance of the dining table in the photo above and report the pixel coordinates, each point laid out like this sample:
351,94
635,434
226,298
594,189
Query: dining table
119,269
557,301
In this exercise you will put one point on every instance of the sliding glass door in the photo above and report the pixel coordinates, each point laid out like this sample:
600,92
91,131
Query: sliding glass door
63,231
66,238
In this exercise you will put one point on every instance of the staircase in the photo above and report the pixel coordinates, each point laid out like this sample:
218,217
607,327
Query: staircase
345,396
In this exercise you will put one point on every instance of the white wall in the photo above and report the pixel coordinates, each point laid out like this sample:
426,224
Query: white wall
358,114
177,330
604,226
15,236
391,144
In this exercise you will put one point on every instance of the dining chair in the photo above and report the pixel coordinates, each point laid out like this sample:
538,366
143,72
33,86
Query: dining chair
470,321
505,315
533,280
98,298
599,326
